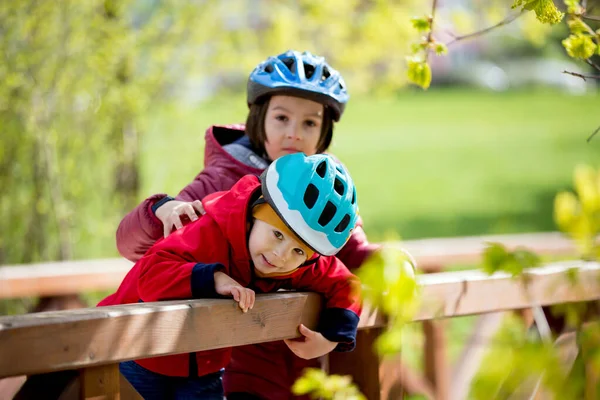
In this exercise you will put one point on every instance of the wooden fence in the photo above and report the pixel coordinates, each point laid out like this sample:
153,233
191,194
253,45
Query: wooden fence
93,341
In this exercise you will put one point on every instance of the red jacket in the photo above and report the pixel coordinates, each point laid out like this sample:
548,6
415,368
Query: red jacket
182,266
140,229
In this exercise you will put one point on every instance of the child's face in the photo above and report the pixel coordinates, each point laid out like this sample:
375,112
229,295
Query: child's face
272,251
292,125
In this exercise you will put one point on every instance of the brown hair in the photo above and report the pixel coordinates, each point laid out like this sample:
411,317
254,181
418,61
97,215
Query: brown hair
255,126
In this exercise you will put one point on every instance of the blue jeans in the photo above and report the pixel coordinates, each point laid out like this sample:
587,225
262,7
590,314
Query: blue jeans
151,385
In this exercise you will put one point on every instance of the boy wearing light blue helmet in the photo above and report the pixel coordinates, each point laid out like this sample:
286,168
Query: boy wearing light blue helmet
294,100
277,232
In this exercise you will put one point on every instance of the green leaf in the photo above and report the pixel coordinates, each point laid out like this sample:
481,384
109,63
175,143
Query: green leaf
573,7
419,72
545,10
494,255
579,46
576,25
421,24
441,49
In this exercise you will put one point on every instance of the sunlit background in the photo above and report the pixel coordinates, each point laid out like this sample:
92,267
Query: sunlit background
103,103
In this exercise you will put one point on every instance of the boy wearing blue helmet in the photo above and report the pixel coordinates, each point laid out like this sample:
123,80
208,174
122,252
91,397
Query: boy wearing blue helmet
294,101
276,232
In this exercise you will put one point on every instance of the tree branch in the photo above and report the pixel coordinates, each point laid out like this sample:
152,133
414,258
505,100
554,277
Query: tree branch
582,76
592,64
591,17
430,34
593,134
505,21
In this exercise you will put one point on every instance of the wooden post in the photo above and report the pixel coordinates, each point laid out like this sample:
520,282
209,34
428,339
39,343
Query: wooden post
436,364
362,364
101,383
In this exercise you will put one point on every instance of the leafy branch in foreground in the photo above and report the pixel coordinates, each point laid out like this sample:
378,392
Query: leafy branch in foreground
578,214
581,44
389,285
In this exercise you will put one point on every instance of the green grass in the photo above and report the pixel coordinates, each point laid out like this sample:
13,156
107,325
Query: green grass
437,163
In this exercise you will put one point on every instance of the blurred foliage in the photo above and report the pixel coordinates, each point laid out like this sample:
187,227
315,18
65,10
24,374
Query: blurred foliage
515,363
319,385
578,214
583,43
496,258
76,77
389,285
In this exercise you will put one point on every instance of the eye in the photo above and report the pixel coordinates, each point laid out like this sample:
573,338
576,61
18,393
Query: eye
278,235
310,123
299,251
282,118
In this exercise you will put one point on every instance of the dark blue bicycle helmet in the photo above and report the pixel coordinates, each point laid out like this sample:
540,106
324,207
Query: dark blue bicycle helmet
299,74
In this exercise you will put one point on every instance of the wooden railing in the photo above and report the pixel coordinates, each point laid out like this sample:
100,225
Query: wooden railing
432,255
94,340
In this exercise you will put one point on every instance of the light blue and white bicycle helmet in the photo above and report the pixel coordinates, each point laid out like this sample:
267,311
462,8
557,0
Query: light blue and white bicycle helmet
299,74
315,197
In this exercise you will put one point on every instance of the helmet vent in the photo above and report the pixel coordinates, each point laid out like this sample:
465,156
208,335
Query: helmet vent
326,74
343,224
321,168
269,68
353,196
289,62
338,186
309,70
311,195
327,214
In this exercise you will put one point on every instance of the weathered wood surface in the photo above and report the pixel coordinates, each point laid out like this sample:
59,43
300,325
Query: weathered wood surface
62,278
72,277
78,338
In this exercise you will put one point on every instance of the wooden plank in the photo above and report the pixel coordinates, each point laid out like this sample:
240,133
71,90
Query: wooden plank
101,383
128,392
360,364
397,379
470,359
78,338
434,252
436,358
61,278
449,294
71,277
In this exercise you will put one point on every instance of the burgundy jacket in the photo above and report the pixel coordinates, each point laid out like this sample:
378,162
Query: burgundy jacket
137,232
182,266
140,229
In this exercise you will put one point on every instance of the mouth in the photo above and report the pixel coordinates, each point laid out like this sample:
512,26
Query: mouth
267,263
290,150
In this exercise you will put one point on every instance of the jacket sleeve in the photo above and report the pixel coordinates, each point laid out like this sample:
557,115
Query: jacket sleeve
357,249
177,267
339,320
140,229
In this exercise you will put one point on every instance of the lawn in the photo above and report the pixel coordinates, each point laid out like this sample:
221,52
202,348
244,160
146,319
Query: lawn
436,163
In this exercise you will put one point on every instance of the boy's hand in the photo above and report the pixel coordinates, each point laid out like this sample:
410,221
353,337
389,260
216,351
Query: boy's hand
312,345
227,286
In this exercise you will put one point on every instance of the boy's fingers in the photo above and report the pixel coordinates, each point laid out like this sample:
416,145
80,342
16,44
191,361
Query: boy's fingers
235,293
252,298
243,299
306,332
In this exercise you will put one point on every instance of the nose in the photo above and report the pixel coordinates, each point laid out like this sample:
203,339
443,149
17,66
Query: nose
281,252
294,132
